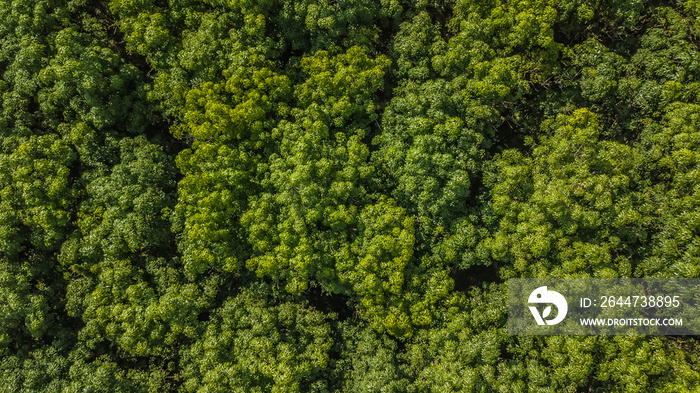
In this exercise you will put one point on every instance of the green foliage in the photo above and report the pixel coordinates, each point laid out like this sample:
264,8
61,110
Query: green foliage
369,362
326,196
104,89
631,79
301,228
569,209
67,100
37,193
37,196
464,354
445,112
230,124
256,344
672,167
42,370
122,286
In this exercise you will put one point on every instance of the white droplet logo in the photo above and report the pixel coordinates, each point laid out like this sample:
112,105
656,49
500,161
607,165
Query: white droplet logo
542,295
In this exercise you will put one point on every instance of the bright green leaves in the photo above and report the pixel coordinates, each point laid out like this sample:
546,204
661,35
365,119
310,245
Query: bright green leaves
635,364
630,82
503,44
385,246
340,88
568,206
435,131
317,180
668,57
146,28
66,97
672,165
192,42
638,364
143,320
26,301
313,25
37,193
316,221
239,109
472,352
21,58
382,251
463,354
231,124
57,72
599,84
579,205
210,204
413,46
256,344
612,17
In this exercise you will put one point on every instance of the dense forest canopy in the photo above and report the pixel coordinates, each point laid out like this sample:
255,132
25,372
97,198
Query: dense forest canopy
329,195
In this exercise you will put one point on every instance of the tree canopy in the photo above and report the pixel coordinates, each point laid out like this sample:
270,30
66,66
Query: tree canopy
329,195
